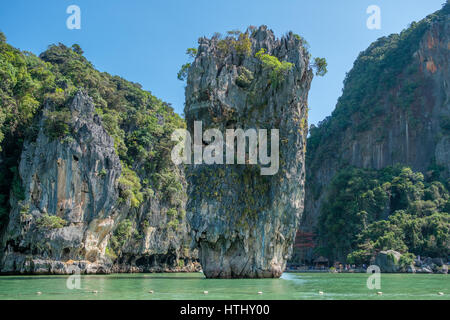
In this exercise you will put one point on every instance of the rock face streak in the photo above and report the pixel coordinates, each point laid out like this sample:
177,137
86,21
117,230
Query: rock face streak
412,134
64,180
242,222
76,181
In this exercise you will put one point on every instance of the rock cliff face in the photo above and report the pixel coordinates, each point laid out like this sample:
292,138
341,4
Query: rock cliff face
154,243
64,180
244,223
395,108
70,213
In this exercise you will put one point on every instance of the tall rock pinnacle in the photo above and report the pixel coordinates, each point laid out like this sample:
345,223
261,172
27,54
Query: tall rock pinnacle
244,222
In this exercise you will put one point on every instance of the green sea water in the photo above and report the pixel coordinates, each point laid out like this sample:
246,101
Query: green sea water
191,286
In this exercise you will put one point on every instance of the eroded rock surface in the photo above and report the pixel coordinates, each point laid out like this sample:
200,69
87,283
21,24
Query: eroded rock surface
403,119
244,223
74,180
71,215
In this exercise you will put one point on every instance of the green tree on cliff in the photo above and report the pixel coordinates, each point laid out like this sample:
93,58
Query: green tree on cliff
320,64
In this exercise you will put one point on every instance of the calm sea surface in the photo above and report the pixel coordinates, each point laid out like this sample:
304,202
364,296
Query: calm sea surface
191,286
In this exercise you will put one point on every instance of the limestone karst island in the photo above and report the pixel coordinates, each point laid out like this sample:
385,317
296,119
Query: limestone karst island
308,158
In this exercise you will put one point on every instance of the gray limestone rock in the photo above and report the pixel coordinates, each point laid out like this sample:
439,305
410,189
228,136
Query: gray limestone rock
388,261
72,181
242,222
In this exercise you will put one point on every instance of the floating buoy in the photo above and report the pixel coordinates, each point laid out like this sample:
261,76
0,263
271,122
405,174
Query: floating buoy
151,291
379,293
440,293
321,292
259,292
205,292
38,292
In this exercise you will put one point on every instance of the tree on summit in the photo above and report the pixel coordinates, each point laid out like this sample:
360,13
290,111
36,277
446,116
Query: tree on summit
182,74
77,49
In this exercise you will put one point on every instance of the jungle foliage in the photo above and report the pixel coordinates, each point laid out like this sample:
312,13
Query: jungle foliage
367,211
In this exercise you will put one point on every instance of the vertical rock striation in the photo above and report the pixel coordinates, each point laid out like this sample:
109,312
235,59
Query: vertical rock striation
395,109
67,209
242,222
71,216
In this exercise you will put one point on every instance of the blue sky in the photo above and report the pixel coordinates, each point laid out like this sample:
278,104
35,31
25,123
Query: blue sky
145,41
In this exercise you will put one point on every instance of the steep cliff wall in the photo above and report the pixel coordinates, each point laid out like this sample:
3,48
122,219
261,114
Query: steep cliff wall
243,222
86,178
394,109
70,215
69,207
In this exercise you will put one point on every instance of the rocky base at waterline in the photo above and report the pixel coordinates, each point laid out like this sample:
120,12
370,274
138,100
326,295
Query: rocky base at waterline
28,265
390,261
244,223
